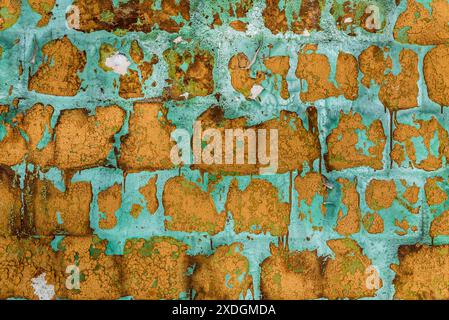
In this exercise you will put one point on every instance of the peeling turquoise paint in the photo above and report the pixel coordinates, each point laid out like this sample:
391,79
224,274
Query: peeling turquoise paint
223,42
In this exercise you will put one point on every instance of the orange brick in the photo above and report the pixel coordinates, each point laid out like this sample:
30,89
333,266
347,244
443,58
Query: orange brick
13,9
349,217
373,64
109,202
130,85
224,275
419,25
373,223
404,148
133,15
235,11
440,225
36,122
241,74
391,198
10,204
341,144
57,212
400,91
291,275
353,15
58,74
309,186
190,208
296,145
279,66
149,192
435,192
257,209
347,275
314,68
196,81
100,276
33,123
436,70
397,92
240,71
83,140
422,272
380,194
148,144
44,8
21,261
155,269
307,19
13,145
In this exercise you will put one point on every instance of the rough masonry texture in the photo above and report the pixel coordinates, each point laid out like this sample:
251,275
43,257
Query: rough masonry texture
92,90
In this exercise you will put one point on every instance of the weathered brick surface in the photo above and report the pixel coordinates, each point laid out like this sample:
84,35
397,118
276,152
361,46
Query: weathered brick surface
393,208
155,269
405,153
30,137
149,191
100,276
44,8
133,15
304,275
343,146
189,208
11,203
57,212
354,16
397,90
58,75
222,275
109,202
258,209
12,9
345,276
195,79
423,24
279,19
356,91
348,221
435,73
421,272
296,144
21,261
93,140
147,144
314,69
291,275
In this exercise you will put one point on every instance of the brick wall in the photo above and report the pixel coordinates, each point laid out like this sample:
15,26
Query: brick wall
357,91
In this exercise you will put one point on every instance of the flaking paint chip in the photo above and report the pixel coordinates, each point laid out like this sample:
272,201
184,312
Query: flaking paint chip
119,63
256,90
42,289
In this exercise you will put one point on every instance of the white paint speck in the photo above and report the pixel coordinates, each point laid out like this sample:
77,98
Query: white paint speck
255,91
306,33
347,20
185,95
119,63
178,40
43,290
